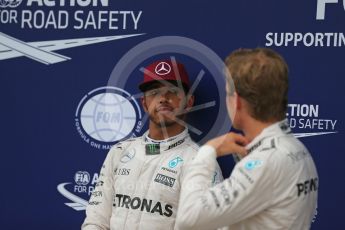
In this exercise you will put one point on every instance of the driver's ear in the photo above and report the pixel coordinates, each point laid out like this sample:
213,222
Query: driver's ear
238,100
143,103
190,101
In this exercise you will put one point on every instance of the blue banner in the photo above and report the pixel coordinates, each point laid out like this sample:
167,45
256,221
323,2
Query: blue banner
66,64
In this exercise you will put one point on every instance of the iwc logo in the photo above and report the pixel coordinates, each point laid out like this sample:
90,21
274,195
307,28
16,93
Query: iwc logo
107,115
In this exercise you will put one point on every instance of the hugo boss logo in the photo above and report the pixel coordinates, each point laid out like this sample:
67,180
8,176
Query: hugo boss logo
175,144
166,180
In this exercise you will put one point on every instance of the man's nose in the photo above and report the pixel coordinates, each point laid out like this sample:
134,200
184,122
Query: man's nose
164,96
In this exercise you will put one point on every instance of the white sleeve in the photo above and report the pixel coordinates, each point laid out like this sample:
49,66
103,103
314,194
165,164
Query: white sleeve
246,192
99,209
218,175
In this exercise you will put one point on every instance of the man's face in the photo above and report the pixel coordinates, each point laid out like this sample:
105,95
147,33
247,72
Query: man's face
166,105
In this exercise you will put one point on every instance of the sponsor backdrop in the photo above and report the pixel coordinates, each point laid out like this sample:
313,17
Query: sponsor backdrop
70,70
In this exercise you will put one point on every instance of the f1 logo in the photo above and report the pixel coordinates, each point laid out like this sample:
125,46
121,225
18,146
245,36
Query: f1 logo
321,8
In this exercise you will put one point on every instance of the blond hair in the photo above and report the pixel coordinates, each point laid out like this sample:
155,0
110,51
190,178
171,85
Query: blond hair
261,78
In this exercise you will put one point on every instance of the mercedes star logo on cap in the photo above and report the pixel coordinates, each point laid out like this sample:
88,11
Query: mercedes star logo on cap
162,68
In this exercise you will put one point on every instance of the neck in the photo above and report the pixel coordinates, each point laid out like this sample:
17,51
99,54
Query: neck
252,128
158,133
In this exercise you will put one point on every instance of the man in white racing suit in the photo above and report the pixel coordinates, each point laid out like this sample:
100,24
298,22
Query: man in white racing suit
275,184
140,180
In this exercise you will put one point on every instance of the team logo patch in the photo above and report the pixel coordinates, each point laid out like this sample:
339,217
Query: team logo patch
162,68
174,162
166,180
252,164
152,149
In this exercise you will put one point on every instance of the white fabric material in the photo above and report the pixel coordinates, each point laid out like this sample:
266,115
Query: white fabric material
140,191
273,187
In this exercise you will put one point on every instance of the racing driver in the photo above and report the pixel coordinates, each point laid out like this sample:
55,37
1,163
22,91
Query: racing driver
140,180
275,184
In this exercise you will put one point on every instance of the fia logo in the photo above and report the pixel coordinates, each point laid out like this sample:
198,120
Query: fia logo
82,178
75,193
174,162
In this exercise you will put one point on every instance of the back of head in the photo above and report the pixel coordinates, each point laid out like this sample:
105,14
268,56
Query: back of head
260,77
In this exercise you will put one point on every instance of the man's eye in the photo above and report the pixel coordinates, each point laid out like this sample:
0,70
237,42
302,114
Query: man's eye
174,91
153,93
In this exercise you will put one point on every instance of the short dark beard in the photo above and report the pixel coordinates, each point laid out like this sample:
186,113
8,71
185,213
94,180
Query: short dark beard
164,123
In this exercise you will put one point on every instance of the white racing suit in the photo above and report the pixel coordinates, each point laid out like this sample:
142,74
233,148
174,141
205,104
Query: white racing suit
139,189
273,187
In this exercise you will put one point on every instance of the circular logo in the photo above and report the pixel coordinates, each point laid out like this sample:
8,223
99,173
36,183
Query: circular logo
82,178
208,59
107,114
10,3
162,68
